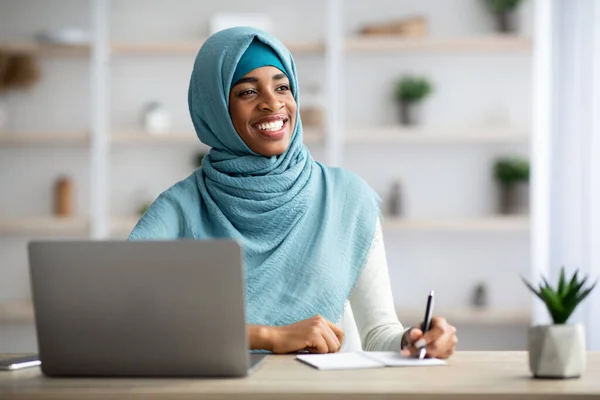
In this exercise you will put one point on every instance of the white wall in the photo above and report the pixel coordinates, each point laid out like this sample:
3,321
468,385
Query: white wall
471,91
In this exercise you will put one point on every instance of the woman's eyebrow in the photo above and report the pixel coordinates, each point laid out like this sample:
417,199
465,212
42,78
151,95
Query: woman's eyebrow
249,79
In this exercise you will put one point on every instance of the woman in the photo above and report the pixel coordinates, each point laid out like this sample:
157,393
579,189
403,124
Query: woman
311,235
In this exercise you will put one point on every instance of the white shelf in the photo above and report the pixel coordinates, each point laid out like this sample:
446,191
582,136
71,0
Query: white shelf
192,47
469,316
311,136
500,224
483,44
13,139
482,224
16,311
39,49
44,226
424,135
136,48
147,138
122,227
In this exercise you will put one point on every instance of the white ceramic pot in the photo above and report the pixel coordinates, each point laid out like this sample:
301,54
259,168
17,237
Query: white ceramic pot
156,119
557,351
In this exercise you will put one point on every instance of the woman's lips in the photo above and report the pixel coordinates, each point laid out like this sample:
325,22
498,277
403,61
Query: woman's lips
273,135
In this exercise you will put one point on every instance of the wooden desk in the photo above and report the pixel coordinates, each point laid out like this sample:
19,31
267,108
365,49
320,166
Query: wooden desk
469,375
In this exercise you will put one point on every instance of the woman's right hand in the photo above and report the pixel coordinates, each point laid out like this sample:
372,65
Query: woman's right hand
316,335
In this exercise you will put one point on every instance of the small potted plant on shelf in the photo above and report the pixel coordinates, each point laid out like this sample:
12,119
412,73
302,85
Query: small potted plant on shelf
410,92
504,11
198,157
17,72
558,350
512,176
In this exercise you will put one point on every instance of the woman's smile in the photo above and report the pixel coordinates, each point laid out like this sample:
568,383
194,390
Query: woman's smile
272,127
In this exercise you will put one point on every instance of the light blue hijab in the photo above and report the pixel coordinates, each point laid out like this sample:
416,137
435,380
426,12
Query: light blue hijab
305,228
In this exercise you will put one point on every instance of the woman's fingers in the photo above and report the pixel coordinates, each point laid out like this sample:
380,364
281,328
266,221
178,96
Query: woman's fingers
324,335
337,331
330,336
318,344
439,342
332,341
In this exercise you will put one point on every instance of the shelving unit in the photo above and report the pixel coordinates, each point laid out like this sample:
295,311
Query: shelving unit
311,136
396,135
136,48
45,50
11,139
472,316
122,226
479,224
192,47
484,44
338,51
16,311
44,226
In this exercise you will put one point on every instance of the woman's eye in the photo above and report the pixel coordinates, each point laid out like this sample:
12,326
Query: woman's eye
247,92
283,88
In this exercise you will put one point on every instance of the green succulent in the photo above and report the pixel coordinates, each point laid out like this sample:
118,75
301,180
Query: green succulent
411,89
562,301
500,6
510,170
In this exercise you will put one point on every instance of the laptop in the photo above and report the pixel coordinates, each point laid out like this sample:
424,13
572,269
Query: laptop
140,308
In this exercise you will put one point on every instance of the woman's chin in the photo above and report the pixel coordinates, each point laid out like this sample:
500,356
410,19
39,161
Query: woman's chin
272,148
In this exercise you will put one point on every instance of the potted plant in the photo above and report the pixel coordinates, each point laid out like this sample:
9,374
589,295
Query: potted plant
410,91
512,175
198,157
558,350
504,11
17,72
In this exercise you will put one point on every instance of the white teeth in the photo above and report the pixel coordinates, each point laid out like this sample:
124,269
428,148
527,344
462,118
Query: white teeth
271,126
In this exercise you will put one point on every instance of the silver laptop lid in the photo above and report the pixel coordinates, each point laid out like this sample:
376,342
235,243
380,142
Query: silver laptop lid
147,308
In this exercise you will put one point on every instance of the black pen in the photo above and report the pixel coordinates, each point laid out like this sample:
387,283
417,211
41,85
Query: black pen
426,322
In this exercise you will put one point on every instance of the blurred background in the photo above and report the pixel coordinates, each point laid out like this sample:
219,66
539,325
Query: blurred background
448,109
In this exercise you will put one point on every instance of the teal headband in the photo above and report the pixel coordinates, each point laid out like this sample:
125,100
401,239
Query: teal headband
256,55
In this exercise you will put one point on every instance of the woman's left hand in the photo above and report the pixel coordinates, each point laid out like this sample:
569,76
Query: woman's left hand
440,340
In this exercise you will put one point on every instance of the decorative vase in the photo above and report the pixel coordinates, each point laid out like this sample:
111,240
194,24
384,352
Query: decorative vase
480,297
408,113
156,119
557,351
396,199
506,22
514,198
63,197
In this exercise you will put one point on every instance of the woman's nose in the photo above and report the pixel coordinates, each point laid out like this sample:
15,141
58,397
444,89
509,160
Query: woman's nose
270,102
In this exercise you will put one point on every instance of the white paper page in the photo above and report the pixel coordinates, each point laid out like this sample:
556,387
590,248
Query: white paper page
394,359
353,360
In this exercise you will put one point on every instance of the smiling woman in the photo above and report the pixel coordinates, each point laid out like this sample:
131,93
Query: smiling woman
313,251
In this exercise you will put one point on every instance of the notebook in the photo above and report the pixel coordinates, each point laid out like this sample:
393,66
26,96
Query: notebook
365,359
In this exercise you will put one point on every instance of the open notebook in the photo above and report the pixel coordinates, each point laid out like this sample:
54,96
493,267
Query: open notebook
364,359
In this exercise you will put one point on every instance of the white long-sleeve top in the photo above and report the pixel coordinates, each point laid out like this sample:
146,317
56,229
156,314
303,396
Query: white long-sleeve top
369,321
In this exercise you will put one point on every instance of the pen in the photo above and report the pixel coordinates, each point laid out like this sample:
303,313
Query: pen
426,321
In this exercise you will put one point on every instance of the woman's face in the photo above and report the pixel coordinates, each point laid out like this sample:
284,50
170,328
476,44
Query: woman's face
263,110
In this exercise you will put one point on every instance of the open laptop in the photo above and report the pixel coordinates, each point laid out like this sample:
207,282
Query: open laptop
140,308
